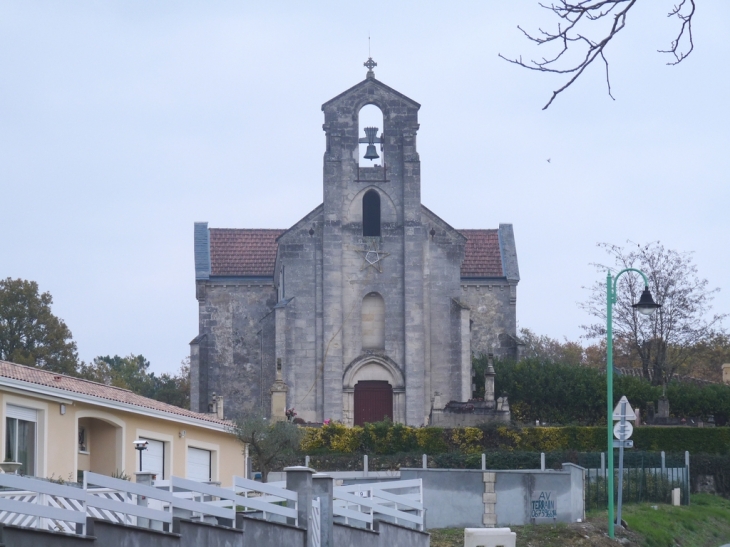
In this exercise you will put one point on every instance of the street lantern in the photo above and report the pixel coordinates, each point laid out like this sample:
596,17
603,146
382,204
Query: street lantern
140,444
646,306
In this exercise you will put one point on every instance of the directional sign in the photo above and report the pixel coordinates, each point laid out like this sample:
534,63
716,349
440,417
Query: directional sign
623,430
629,414
623,444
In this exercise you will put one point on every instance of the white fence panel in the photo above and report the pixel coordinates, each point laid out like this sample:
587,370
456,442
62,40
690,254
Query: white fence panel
382,498
252,495
127,503
223,507
33,502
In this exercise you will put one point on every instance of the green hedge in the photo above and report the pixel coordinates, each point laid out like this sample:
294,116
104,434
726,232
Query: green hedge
564,394
386,438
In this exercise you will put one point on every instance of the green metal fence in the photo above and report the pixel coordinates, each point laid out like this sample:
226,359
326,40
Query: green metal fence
648,477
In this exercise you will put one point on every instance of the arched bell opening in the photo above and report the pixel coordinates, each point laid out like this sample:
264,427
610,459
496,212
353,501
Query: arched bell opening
370,130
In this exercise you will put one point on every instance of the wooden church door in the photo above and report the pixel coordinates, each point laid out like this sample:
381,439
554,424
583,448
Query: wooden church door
373,401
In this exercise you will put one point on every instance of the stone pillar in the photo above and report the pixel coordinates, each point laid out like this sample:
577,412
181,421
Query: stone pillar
322,488
145,478
299,479
490,500
726,373
278,396
489,375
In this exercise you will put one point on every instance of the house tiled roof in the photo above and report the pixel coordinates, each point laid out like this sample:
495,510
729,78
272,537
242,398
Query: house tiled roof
242,252
49,379
235,252
481,256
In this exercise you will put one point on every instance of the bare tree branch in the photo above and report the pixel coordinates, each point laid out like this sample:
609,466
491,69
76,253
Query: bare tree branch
686,19
575,17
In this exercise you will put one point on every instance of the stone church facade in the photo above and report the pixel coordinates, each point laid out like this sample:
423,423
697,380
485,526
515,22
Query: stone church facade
370,305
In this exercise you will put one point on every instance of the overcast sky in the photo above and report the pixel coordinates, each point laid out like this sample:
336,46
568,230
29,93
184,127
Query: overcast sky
122,123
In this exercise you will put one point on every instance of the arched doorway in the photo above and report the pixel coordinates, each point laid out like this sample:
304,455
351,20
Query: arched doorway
373,401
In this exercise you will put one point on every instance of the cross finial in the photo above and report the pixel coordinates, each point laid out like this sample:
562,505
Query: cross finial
370,64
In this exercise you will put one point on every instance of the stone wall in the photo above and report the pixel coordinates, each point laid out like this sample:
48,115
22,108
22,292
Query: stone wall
492,304
232,357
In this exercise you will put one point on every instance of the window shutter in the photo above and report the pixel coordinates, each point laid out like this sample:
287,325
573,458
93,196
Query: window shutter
22,413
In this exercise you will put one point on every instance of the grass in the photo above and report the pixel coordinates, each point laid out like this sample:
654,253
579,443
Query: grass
705,523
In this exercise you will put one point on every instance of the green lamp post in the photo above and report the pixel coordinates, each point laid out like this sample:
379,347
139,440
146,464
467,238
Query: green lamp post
645,306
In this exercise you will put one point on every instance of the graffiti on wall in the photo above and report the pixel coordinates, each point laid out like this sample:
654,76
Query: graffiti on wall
543,505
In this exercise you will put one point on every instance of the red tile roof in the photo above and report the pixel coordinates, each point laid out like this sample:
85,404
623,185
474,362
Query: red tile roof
45,378
482,257
242,252
237,252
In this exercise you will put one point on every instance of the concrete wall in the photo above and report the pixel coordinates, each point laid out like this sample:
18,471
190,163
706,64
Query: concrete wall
452,498
198,534
465,498
15,536
349,536
394,535
108,534
260,533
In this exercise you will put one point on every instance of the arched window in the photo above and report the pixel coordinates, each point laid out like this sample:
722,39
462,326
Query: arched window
373,321
371,214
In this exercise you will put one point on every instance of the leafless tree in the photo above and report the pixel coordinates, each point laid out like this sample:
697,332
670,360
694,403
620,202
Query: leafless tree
667,340
604,19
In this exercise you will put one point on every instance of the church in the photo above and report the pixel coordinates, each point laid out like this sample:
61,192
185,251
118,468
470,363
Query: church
370,305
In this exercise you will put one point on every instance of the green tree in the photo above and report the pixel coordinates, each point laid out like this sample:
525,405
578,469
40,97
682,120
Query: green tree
667,342
29,332
174,389
131,373
270,443
126,372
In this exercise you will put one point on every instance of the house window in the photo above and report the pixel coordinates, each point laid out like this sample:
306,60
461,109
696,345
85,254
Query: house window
371,214
83,441
20,437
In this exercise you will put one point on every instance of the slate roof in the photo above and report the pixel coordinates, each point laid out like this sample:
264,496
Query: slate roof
244,252
482,257
235,252
46,378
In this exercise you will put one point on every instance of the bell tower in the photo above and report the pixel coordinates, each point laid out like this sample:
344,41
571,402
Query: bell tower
373,243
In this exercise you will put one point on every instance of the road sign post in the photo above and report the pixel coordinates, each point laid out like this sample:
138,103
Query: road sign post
622,431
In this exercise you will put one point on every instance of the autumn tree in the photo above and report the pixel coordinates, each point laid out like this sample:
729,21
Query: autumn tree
666,342
583,32
29,332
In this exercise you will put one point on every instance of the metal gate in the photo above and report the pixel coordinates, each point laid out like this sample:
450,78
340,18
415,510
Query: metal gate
316,521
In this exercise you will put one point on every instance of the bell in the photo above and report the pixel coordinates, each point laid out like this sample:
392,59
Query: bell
371,153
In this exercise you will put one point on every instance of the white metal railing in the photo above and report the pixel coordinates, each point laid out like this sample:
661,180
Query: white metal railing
400,500
316,523
41,504
267,498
